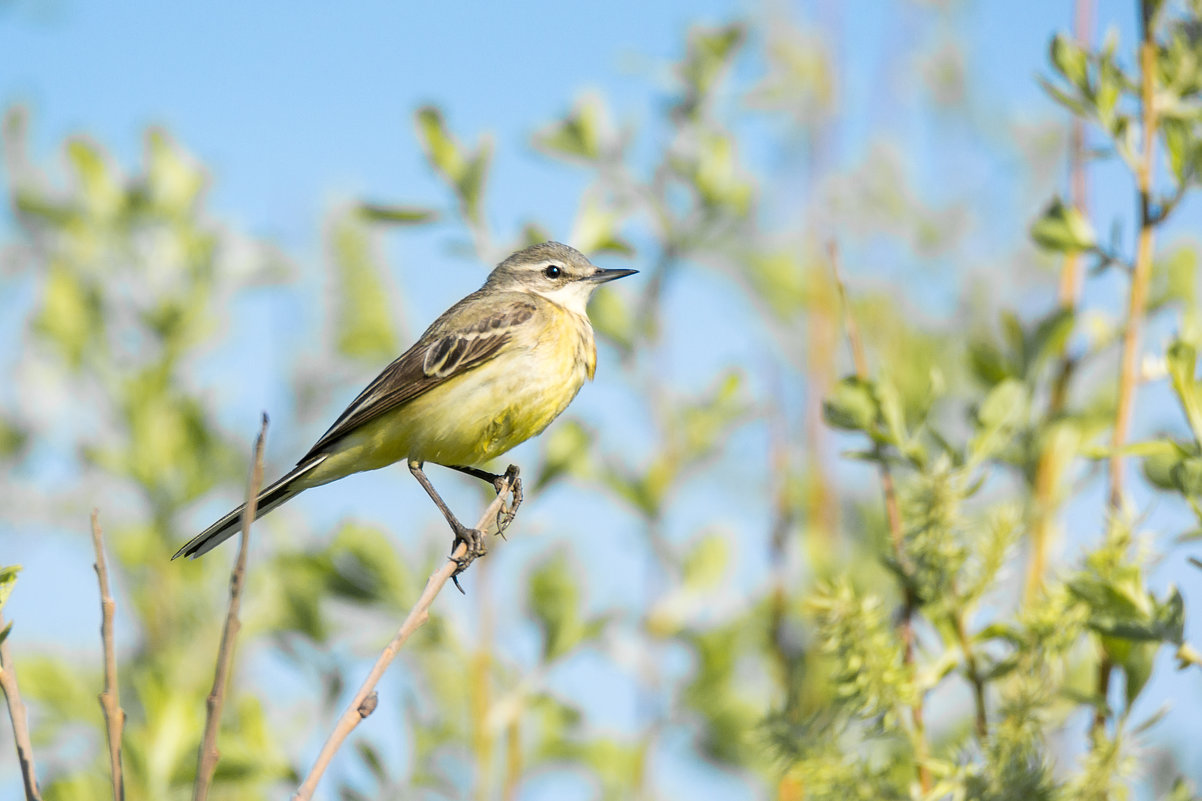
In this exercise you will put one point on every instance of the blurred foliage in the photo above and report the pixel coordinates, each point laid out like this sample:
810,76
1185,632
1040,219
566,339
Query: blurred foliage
916,647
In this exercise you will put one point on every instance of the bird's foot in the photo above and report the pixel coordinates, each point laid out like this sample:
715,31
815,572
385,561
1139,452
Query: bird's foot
506,513
473,539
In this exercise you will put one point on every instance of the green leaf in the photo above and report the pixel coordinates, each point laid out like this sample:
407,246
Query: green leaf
465,173
174,183
1137,662
8,579
71,316
1182,359
365,567
442,151
706,563
596,229
578,135
1063,229
1121,607
1071,61
1180,147
780,280
102,194
554,600
362,311
1071,102
396,215
470,186
852,405
893,414
13,439
1003,411
1160,458
1050,336
1186,476
716,175
710,51
566,452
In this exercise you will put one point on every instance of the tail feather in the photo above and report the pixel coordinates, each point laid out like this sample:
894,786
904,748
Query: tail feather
271,497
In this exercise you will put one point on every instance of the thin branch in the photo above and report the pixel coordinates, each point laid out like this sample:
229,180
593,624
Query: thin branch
110,698
513,760
20,720
974,676
1136,305
208,756
1047,470
905,623
362,704
1138,298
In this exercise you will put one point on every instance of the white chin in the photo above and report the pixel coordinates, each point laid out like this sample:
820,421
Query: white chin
573,297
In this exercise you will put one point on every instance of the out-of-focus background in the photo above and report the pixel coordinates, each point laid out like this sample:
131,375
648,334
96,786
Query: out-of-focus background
740,572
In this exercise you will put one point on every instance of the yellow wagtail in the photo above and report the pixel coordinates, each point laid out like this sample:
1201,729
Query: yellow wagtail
494,370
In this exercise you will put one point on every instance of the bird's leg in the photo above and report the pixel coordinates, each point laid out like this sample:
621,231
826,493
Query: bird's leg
499,482
473,538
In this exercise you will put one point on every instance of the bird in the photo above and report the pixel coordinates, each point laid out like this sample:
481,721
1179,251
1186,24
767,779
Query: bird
491,372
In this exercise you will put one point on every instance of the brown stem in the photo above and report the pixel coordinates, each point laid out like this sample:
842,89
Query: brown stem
20,720
822,339
207,759
479,687
110,698
513,759
1137,300
1047,473
417,616
905,625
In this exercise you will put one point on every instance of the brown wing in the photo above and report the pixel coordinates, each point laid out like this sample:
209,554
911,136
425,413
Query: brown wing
446,350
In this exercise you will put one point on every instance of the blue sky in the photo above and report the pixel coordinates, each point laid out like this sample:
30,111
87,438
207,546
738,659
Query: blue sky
298,108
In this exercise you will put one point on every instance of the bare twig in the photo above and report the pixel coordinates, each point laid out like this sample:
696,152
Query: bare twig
207,759
355,710
110,698
20,720
905,624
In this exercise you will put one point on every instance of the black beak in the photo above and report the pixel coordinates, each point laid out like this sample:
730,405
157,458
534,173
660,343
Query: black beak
601,276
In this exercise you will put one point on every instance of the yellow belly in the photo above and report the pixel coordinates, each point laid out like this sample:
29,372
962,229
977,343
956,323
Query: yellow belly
477,416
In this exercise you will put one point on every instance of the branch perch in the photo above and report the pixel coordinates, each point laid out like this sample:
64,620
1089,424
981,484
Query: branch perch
20,720
110,699
207,759
364,702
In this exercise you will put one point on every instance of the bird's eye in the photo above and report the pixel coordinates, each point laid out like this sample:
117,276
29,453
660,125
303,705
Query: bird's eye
552,271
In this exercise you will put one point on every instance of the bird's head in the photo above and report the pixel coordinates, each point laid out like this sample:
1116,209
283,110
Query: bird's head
557,272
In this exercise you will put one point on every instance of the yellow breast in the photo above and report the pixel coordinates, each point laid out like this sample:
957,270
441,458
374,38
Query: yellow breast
479,415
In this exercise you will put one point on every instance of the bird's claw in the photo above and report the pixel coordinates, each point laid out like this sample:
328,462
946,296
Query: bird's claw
473,538
509,479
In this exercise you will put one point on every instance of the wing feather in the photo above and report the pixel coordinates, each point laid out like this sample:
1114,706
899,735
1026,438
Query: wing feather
446,350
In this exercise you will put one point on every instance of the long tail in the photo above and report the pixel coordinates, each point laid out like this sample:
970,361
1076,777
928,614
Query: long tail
273,496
